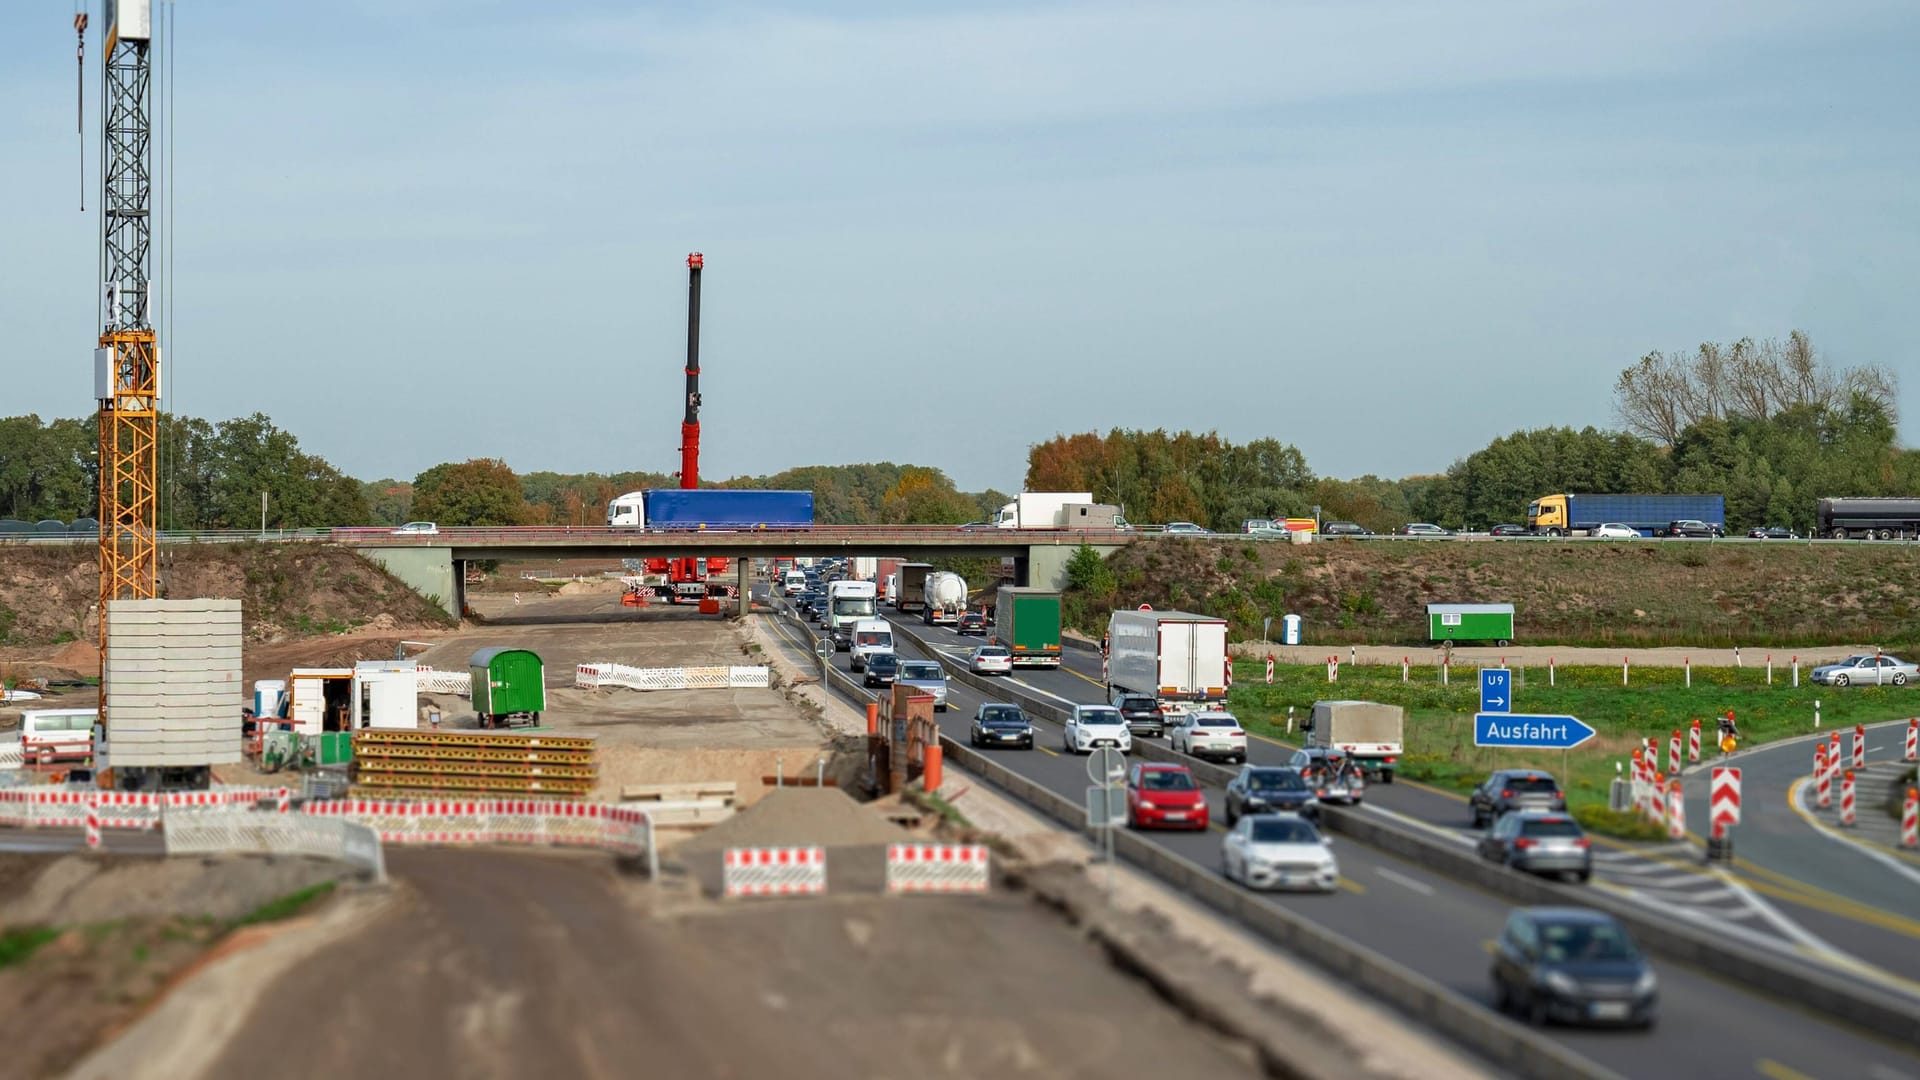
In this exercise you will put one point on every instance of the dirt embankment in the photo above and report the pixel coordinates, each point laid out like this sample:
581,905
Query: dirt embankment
1574,593
48,594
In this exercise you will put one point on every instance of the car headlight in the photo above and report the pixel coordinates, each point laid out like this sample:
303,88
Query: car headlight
1645,984
1561,983
1146,804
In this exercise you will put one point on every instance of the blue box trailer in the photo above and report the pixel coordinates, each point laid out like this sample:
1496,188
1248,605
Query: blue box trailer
724,508
1557,515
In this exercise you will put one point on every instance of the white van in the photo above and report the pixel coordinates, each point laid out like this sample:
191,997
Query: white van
794,583
870,636
51,735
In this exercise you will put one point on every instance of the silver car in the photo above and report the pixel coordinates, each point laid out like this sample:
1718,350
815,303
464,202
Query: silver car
926,676
1867,669
1540,842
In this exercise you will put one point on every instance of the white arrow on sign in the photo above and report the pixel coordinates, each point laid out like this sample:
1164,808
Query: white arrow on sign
1496,701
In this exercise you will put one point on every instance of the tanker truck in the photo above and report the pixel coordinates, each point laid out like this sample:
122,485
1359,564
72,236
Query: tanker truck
946,595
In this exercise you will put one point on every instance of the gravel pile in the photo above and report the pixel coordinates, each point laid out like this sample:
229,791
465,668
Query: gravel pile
793,816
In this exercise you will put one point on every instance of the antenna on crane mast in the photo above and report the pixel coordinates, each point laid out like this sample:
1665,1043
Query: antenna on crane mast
126,364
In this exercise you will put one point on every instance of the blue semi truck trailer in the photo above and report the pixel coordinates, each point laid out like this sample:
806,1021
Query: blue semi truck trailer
1571,515
697,509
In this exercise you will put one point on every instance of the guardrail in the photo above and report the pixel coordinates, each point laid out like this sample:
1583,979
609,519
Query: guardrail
177,536
1788,976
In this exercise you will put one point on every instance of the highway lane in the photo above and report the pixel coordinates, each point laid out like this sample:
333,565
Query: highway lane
1442,929
1792,886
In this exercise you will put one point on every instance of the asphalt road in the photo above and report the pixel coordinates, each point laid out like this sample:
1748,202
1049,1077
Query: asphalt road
1443,930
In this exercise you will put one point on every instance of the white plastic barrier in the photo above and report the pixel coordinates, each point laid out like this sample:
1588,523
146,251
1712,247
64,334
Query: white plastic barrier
56,807
623,829
937,868
592,676
10,756
779,871
191,831
446,682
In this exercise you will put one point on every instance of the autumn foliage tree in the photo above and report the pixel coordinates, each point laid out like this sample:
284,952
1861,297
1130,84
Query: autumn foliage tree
924,496
1186,476
483,491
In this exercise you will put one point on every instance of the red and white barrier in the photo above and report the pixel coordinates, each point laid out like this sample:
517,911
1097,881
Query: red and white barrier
1910,820
940,868
93,824
1270,672
782,871
1823,779
1913,740
494,821
285,800
1673,754
1676,811
51,807
742,677
1658,801
1859,746
1693,744
1846,799
1723,799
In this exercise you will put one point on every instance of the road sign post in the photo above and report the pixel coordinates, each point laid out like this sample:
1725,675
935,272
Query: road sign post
1107,768
823,648
1529,731
1496,690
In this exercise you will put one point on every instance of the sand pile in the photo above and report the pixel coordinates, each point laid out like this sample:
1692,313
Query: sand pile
822,817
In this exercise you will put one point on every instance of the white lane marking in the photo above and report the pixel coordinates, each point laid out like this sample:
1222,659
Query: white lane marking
1424,826
1881,857
1885,1072
1398,878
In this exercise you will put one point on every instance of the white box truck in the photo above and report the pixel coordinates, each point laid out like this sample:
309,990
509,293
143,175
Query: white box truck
172,692
1176,657
1038,509
1370,733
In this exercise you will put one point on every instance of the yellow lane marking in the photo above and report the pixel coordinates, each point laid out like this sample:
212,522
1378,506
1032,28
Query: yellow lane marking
1489,947
1352,886
1078,675
1049,753
1773,1070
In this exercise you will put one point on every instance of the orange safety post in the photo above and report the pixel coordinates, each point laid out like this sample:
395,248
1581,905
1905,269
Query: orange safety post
873,718
930,769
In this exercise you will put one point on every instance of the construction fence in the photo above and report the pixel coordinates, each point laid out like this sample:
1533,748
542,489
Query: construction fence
742,677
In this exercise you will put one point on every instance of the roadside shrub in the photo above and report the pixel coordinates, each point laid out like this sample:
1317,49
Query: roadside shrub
1622,824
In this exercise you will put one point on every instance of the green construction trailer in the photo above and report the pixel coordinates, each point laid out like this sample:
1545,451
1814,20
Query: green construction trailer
1470,622
1027,622
508,685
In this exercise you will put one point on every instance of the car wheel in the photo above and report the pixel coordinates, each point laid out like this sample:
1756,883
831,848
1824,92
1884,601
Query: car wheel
1502,997
1536,1011
1583,876
1886,534
1473,817
1840,680
1839,534
1899,678
1232,817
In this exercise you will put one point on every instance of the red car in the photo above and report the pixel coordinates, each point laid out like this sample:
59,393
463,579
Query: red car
1165,797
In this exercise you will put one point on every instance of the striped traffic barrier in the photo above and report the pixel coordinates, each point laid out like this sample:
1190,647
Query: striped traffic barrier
1910,820
1673,754
1657,802
93,823
1846,799
1823,778
1859,746
285,799
1913,740
1676,812
1639,782
777,871
1693,743
937,868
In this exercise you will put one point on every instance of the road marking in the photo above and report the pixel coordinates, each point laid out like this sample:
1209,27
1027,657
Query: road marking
1883,1072
1773,1070
1351,886
1049,753
1398,878
1795,802
1489,947
1078,675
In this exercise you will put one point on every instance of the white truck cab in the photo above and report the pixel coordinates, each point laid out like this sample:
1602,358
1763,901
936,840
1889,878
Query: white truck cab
870,636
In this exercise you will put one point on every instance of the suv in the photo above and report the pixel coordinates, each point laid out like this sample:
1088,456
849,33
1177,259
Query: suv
1514,789
882,669
1693,527
1142,714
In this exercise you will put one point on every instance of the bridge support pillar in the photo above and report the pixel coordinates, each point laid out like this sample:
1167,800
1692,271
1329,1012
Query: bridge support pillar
743,585
429,571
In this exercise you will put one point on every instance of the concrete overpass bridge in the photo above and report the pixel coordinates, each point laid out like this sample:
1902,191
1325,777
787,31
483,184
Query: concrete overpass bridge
434,564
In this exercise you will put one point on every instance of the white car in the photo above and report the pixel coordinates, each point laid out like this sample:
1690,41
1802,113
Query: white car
1090,726
1210,733
1613,530
418,528
1278,851
991,660
1867,669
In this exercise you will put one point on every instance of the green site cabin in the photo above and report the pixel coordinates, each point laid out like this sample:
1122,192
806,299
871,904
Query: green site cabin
1027,621
508,684
1470,622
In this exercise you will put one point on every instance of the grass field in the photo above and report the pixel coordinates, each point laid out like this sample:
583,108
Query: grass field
1439,735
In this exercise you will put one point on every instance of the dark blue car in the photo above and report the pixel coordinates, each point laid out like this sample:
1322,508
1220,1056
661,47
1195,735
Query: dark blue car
1265,789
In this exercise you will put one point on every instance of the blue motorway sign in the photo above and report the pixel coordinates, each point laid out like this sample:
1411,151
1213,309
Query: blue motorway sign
1496,690
1529,731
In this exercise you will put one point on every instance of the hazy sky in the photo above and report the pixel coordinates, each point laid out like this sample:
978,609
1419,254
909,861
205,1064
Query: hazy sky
424,230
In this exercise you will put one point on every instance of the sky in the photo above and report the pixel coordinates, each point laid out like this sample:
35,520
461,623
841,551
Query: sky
1386,231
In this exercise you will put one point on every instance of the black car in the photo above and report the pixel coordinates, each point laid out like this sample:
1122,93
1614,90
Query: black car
1142,714
1575,965
1508,530
997,724
1772,532
972,623
882,669
1344,528
1508,790
1261,789
1692,527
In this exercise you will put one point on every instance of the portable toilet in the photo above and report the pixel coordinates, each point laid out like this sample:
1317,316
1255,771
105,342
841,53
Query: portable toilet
268,696
1290,630
1471,622
508,684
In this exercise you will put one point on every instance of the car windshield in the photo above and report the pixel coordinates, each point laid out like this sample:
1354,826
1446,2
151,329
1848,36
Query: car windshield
993,650
920,669
884,662
1553,827
869,637
1533,785
854,606
1002,714
1275,780
1166,780
1213,720
1584,941
1099,716
1283,831
1137,703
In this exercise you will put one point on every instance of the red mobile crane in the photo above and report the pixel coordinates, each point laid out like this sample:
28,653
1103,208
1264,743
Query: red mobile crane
688,576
